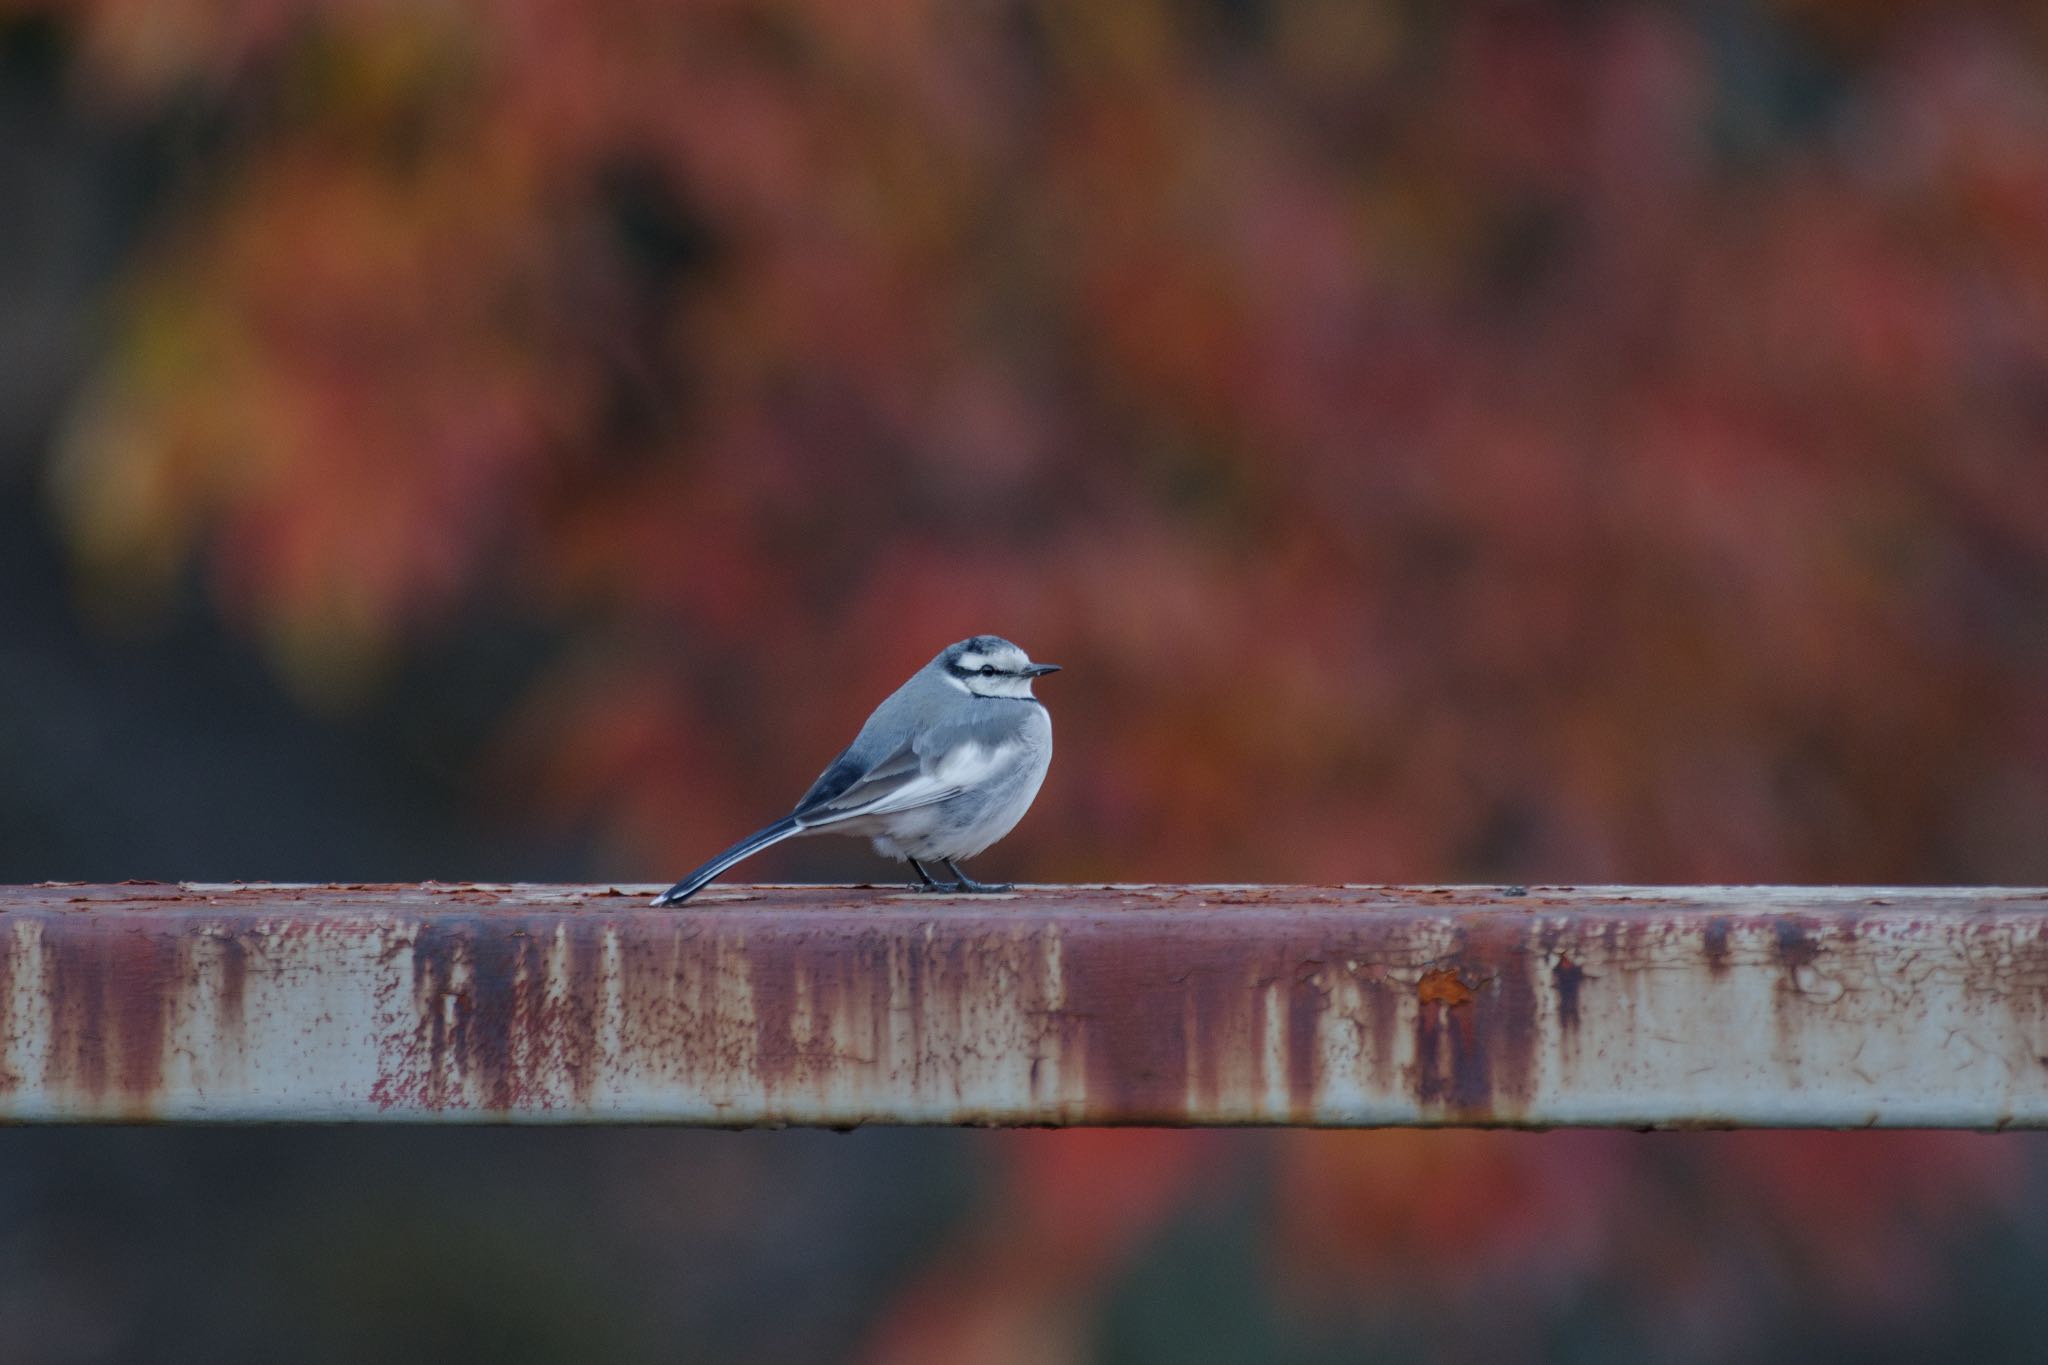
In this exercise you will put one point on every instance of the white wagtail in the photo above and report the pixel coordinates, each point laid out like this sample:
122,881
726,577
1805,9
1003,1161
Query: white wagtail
943,768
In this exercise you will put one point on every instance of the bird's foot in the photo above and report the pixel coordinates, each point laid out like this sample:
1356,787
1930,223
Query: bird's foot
973,887
925,881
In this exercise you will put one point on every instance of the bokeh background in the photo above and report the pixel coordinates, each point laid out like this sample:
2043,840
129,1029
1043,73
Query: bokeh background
1512,441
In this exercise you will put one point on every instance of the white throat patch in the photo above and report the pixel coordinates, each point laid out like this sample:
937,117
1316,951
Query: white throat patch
997,685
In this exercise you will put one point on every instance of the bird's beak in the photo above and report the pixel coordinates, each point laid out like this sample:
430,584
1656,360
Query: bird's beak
1040,670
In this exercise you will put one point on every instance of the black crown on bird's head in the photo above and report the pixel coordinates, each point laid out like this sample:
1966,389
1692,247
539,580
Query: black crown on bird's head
990,656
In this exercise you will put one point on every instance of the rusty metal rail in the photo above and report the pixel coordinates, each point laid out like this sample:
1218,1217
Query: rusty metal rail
1065,1005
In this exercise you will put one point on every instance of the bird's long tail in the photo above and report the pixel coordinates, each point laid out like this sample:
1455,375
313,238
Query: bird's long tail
747,847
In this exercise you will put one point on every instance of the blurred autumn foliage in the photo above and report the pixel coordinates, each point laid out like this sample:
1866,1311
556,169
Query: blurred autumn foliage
1525,441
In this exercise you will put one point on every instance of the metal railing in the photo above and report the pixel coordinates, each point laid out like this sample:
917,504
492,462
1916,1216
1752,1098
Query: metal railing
1302,1005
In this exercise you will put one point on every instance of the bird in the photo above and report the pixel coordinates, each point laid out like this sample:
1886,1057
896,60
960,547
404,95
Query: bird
945,766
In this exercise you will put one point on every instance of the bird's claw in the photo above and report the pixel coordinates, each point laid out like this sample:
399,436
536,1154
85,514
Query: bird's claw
965,885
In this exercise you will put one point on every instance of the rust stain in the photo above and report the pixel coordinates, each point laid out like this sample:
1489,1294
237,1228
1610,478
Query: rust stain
1382,1001
1134,1013
1796,948
495,1027
1566,976
1307,1002
1443,986
10,944
234,978
1499,955
1211,1083
1174,1015
1714,943
495,1008
1476,1022
570,1023
109,991
831,984
1446,1053
783,975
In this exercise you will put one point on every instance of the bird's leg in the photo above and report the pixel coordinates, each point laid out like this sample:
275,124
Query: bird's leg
968,883
926,878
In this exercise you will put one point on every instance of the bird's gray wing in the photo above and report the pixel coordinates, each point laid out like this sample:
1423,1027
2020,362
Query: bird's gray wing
932,765
843,772
878,745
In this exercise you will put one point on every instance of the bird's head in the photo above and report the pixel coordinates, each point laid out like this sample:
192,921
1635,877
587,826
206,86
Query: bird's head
990,666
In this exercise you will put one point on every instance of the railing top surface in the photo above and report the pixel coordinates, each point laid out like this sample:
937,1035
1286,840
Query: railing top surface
891,899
